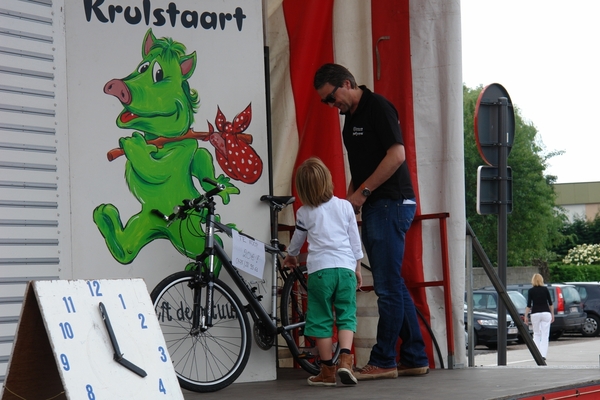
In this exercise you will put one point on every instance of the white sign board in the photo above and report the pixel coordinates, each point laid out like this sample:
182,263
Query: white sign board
74,352
248,254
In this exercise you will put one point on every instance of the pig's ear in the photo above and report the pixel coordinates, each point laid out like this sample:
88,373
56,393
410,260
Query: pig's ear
149,40
188,65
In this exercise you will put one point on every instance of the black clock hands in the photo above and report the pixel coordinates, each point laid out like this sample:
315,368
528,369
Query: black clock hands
118,356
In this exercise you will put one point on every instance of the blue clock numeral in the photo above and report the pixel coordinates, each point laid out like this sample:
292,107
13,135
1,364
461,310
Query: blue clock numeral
95,290
122,301
67,330
65,362
161,387
69,304
163,356
90,392
143,319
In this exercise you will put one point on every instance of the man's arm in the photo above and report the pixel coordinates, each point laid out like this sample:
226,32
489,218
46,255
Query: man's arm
393,159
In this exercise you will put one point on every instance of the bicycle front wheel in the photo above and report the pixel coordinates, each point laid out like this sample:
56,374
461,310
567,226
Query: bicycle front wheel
293,311
204,360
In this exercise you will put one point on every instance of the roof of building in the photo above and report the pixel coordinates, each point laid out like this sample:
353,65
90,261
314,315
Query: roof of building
577,193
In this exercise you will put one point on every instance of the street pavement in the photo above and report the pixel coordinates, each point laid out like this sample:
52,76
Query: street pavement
570,351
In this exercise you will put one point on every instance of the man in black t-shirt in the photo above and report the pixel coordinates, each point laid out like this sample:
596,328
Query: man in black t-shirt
381,189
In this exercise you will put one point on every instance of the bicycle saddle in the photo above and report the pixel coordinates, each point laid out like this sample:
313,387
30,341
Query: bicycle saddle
278,201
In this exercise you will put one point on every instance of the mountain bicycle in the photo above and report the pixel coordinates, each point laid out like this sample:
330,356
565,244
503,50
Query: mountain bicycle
205,323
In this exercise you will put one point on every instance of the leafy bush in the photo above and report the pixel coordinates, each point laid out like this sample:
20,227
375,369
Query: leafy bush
583,254
574,273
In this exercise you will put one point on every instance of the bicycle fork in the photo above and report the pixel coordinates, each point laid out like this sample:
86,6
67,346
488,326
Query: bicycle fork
201,321
201,316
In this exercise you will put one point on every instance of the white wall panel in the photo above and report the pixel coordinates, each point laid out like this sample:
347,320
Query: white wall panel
30,231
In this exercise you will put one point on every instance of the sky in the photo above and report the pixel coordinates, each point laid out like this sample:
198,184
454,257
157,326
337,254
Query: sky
546,54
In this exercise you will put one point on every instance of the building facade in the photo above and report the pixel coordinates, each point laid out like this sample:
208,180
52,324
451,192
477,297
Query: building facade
579,199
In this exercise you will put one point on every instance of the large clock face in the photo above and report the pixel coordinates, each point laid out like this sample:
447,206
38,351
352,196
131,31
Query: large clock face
133,364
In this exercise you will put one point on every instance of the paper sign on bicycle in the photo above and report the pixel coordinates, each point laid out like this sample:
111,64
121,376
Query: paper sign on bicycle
248,254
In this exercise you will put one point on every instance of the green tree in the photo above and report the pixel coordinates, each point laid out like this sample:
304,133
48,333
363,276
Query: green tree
580,231
534,224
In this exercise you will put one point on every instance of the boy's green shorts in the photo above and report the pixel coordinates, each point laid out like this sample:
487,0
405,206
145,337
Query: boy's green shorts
331,295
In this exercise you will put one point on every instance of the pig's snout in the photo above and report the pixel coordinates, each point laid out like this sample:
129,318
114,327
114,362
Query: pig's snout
119,89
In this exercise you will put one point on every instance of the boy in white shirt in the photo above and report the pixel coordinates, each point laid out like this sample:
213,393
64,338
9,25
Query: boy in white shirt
333,264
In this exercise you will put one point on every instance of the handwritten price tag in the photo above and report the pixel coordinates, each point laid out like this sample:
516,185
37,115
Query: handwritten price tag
248,255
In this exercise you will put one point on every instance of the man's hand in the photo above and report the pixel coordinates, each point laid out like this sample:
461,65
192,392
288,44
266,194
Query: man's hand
357,199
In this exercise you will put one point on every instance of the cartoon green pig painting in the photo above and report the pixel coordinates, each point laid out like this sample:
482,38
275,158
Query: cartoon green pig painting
163,156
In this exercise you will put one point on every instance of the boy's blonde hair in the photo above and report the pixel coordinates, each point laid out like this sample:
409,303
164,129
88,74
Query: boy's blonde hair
313,182
537,280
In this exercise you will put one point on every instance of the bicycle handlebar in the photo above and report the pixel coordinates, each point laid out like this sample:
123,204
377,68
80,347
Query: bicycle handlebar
218,187
179,211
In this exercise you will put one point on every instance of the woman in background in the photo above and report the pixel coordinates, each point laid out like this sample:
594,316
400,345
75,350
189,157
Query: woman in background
539,304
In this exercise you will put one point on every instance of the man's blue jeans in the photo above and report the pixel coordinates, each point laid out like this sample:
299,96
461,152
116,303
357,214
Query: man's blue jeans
384,227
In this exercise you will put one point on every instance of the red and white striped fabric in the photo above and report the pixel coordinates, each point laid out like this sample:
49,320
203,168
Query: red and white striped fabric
408,51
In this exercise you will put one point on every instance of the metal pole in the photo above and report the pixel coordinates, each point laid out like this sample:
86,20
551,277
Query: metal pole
469,281
502,221
447,291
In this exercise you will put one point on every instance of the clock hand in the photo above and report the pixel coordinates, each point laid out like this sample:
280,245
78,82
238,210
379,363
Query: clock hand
131,366
118,356
111,333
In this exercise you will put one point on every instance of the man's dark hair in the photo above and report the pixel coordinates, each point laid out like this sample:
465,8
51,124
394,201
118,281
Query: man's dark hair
334,74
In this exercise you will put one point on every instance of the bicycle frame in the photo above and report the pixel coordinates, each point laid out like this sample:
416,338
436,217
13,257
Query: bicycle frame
213,249
255,308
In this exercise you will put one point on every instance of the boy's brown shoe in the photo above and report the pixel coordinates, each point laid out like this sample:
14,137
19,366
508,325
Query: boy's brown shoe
370,372
344,370
325,378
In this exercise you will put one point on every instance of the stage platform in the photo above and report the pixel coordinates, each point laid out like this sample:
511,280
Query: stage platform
573,367
476,383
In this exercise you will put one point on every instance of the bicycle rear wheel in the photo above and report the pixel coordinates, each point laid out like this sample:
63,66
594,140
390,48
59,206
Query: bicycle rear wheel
204,361
293,310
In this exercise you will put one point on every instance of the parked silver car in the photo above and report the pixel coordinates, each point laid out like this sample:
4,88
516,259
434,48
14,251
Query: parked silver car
488,299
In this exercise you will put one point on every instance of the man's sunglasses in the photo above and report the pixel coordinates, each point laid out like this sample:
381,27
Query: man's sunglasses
330,99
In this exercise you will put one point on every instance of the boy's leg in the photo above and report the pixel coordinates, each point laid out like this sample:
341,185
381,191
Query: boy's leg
327,375
324,345
345,338
346,361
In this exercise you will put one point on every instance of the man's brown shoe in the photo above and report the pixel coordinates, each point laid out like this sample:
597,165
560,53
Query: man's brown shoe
412,371
370,372
325,378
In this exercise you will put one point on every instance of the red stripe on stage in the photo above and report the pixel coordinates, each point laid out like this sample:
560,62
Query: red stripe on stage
391,37
310,30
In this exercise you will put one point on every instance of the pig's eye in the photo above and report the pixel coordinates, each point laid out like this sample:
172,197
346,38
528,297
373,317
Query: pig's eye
157,73
143,67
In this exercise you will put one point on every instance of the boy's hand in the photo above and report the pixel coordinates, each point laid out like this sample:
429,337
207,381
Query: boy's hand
358,280
290,261
358,272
